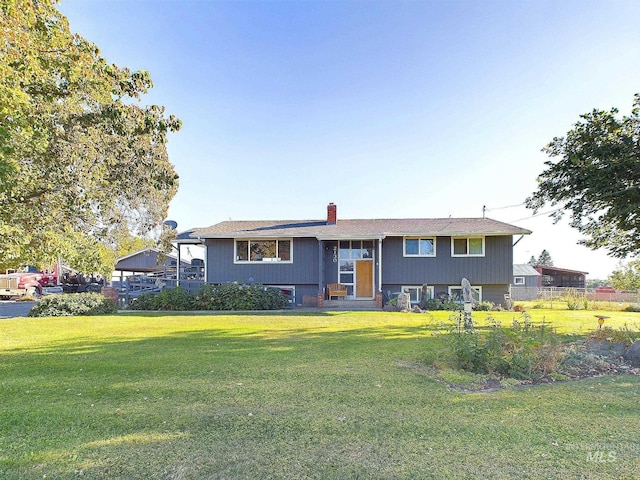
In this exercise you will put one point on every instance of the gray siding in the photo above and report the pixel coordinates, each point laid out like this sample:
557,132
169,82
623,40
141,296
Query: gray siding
529,281
494,271
330,267
303,270
496,267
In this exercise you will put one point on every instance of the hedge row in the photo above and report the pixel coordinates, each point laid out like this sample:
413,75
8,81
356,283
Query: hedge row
228,296
66,305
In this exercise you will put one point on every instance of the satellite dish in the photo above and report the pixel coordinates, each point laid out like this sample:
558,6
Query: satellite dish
466,291
172,224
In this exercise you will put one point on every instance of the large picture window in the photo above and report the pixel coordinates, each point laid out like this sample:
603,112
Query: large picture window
263,250
467,247
419,247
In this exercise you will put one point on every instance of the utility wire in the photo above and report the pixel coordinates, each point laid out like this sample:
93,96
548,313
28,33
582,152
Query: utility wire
502,208
537,215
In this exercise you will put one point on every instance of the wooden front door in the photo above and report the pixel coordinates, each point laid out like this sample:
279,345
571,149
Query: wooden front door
364,278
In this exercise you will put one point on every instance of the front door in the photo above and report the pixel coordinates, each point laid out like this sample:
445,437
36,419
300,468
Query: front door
355,267
364,278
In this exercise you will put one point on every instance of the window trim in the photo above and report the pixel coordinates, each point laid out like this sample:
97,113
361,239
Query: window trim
519,280
404,246
260,262
467,238
419,291
478,288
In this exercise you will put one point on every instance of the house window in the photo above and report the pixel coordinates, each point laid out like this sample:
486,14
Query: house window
419,247
263,251
416,293
455,294
467,246
518,280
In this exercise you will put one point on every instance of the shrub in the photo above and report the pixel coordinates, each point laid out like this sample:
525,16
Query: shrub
608,334
438,304
228,296
146,301
236,296
485,307
521,351
175,299
65,305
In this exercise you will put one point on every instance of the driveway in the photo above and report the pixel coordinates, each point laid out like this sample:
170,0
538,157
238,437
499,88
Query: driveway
9,309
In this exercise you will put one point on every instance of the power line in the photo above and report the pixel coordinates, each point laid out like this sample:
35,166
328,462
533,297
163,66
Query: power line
537,215
502,208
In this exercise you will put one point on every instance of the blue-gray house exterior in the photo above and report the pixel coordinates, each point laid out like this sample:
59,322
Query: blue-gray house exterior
375,258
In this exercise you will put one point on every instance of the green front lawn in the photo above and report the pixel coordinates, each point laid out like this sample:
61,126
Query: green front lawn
319,395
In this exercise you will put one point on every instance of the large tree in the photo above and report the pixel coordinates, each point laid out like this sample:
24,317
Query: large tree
596,179
626,277
545,259
81,160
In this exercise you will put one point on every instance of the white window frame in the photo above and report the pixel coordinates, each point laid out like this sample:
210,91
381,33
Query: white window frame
261,262
458,287
519,280
404,289
467,238
404,247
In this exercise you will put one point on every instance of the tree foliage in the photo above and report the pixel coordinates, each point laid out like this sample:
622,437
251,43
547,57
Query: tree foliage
626,277
81,160
545,259
597,180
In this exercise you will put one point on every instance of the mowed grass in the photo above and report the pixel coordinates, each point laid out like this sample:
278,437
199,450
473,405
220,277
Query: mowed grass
316,395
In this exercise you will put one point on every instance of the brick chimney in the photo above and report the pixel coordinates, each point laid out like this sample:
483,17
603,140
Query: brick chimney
332,214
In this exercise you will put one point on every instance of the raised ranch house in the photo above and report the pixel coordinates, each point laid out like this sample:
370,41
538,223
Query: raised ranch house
374,259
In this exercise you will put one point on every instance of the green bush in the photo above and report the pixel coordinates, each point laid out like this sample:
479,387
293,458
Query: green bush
146,301
228,296
437,304
236,296
484,307
608,334
65,305
175,299
521,351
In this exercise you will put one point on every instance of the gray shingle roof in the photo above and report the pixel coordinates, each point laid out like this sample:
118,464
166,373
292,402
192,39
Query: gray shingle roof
524,269
354,229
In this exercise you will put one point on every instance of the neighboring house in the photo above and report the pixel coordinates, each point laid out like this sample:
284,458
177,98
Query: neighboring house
561,277
524,275
148,261
373,258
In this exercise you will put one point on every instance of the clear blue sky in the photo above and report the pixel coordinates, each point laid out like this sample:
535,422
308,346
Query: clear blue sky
389,109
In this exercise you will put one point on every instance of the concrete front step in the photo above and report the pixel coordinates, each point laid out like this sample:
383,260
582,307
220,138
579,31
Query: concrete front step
349,305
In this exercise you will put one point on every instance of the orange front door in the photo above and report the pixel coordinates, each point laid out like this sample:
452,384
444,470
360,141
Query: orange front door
364,278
